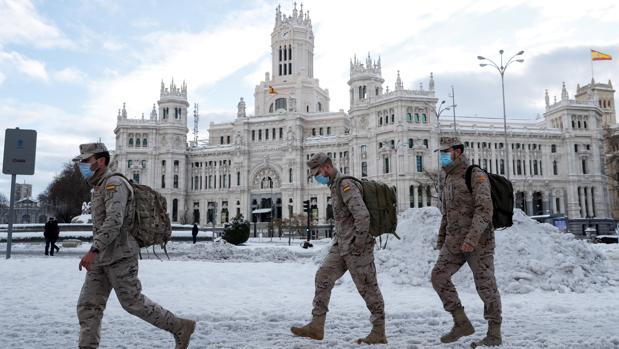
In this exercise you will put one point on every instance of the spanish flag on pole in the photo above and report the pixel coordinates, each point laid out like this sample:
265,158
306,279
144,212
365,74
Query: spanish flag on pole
599,56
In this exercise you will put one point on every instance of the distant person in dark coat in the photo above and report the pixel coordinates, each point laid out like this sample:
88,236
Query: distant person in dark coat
194,232
51,234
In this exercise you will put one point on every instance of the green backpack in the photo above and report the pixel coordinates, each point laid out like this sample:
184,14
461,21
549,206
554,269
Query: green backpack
380,200
151,223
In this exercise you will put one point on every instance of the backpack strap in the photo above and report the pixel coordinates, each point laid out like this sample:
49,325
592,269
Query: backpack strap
339,181
467,176
125,180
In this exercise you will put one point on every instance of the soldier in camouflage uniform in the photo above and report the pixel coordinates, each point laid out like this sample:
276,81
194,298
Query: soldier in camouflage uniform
352,250
466,236
112,261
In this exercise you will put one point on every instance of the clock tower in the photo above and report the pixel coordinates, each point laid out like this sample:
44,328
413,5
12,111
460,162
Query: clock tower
292,45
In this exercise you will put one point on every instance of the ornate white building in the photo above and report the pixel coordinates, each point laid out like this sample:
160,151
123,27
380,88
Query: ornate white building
257,162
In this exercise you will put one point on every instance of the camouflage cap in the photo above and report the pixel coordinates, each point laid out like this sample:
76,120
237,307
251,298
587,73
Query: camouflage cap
448,142
89,149
315,162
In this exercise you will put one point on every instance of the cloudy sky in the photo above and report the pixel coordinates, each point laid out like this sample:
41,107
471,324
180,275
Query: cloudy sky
66,67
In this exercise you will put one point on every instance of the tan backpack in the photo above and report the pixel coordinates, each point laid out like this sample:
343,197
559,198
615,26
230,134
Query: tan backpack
380,200
151,223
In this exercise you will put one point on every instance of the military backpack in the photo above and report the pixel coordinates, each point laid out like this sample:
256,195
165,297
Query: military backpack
151,223
380,200
502,193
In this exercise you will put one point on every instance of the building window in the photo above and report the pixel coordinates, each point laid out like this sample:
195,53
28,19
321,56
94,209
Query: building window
519,167
553,148
320,131
424,118
411,196
162,181
416,118
253,135
175,210
228,139
145,142
502,167
319,106
221,140
425,143
136,177
175,182
410,143
280,103
576,148
419,163
584,166
131,142
129,163
328,131
137,142
259,135
289,175
386,165
364,169
555,169
281,133
266,134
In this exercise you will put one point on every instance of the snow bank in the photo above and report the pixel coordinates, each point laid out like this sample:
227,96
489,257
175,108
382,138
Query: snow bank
221,251
84,218
529,256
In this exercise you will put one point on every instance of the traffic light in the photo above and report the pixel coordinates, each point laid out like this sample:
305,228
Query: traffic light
306,206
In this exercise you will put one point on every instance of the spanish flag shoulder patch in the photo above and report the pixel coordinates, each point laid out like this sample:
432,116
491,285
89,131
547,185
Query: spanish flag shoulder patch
110,187
346,188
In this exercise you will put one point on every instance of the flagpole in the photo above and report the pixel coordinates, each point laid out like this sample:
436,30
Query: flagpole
591,59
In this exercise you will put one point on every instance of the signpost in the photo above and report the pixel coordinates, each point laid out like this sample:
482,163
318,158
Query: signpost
19,155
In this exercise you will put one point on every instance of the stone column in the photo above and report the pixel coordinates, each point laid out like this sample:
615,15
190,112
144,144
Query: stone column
415,202
529,202
581,202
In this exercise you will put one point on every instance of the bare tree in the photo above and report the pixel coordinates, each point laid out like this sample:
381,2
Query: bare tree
66,193
4,202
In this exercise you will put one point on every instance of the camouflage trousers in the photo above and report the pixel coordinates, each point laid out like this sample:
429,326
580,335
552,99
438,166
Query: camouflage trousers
122,276
363,273
481,263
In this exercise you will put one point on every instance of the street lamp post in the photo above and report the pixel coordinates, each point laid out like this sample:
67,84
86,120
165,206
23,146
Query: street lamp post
501,69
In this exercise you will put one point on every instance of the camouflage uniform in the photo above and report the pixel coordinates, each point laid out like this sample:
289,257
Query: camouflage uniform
352,250
116,264
467,217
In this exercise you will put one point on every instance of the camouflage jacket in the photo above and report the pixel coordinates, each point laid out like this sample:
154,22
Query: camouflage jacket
352,219
467,216
112,213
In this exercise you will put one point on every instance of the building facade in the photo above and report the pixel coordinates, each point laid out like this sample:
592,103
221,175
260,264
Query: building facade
255,164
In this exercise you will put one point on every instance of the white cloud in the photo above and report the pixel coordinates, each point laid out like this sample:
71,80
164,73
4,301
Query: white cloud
71,75
28,66
21,23
2,78
112,45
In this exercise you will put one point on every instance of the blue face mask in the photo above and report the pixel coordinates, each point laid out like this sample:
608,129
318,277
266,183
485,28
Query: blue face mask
446,159
322,179
85,170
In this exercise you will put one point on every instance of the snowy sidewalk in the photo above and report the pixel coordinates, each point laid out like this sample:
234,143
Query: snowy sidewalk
252,305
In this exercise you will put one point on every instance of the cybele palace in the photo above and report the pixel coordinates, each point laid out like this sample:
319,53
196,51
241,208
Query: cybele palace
561,163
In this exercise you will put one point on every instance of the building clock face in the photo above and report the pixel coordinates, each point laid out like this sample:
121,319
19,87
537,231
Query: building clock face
284,34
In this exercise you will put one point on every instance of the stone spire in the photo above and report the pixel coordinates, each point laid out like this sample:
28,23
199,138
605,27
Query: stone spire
398,83
547,98
153,113
431,84
564,95
124,112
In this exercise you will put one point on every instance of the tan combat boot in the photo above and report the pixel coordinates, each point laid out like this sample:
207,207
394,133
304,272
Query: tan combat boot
462,327
493,336
314,330
183,335
376,336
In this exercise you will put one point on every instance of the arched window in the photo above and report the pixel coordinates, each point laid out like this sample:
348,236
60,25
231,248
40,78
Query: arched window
137,142
290,52
280,103
319,106
360,92
377,91
410,143
280,53
380,121
131,142
289,175
145,142
364,92
411,196
175,181
424,118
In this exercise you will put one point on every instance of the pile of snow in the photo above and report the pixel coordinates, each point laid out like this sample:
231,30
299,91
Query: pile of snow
529,256
221,251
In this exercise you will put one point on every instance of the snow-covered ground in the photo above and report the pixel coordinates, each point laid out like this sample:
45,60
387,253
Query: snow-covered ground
249,296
